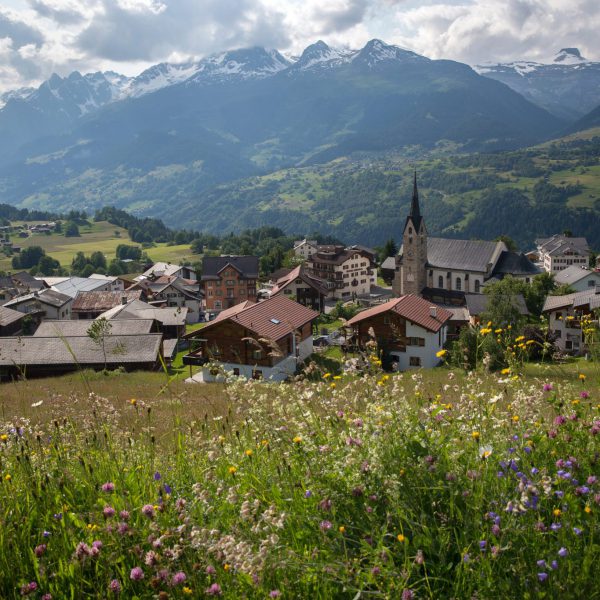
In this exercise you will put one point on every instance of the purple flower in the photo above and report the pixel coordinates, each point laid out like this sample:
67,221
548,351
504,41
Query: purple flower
167,489
114,586
482,545
541,564
307,494
82,550
375,571
210,570
47,597
585,395
136,574
554,565
109,486
124,514
325,525
148,511
157,476
108,512
407,594
591,480
563,552
214,590
555,526
39,550
274,594
542,577
495,530
577,531
547,387
178,578
466,557
46,534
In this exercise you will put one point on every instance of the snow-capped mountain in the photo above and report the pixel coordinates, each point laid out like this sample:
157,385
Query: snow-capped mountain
568,86
18,94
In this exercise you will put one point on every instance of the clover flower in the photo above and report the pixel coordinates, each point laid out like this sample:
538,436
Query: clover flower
136,574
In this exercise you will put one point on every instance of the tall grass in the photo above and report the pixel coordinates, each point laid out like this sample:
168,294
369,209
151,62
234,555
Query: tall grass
395,487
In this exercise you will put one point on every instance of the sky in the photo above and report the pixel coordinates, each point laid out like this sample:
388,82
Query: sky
41,37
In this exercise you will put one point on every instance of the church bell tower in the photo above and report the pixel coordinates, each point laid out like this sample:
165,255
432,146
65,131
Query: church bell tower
411,269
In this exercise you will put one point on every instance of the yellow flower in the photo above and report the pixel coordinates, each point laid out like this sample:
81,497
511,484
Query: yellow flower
385,377
441,353
226,566
297,440
529,342
557,512
499,330
221,438
187,591
509,327
7,477
265,442
505,371
249,452
232,470
582,376
380,383
475,435
587,510
515,418
520,338
3,437
402,472
326,375
342,529
485,331
337,377
489,324
576,401
133,402
401,538
332,386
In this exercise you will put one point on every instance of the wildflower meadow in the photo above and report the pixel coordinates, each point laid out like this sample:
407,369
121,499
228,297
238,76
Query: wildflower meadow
456,485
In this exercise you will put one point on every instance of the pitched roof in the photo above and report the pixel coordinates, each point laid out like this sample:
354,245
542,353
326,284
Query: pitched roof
213,265
163,268
74,285
412,308
79,327
82,350
574,299
467,255
101,301
573,274
233,310
389,263
414,214
299,273
515,263
47,296
477,304
559,243
137,309
8,316
273,318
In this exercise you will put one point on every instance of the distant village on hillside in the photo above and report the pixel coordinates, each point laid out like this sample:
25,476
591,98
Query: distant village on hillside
231,321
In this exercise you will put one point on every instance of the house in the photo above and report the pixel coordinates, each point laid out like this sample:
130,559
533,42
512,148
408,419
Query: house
388,269
348,272
578,277
89,305
304,249
80,327
409,331
303,287
164,268
443,270
18,284
172,291
564,318
559,252
476,305
116,283
260,341
47,304
11,321
228,280
170,321
53,355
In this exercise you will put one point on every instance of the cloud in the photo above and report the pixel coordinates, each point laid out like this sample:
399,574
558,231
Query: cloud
18,32
64,13
339,16
148,30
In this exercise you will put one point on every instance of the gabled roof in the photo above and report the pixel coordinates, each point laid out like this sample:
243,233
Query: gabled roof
79,350
273,318
389,263
233,310
80,327
412,308
101,301
136,309
300,273
163,268
515,263
213,265
559,243
575,299
8,316
48,296
573,274
74,285
466,255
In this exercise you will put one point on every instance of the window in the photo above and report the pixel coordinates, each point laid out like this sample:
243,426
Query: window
414,361
256,354
230,282
251,292
257,374
219,292
591,283
210,293
458,283
386,319
440,281
236,371
477,286
415,341
209,284
218,304
242,292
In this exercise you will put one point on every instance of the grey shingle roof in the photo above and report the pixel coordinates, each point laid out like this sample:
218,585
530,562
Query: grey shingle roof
101,300
8,316
575,299
573,274
74,285
80,327
246,265
72,350
467,255
50,297
515,263
477,303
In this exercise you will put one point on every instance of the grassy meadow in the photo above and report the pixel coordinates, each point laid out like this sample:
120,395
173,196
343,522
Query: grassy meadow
97,236
429,484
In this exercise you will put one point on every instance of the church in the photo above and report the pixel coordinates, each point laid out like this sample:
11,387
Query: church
444,270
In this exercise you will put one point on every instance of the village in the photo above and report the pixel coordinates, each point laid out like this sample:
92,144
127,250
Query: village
231,322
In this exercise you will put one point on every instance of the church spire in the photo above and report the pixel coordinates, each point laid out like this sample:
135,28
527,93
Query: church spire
415,211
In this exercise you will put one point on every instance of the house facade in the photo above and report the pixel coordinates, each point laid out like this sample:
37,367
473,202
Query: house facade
579,278
228,281
304,249
302,287
47,304
559,252
267,341
347,272
409,331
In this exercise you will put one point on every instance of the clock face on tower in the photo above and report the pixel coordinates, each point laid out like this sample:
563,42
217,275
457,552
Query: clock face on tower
410,253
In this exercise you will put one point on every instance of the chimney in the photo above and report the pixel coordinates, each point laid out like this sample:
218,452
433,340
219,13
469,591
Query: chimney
433,311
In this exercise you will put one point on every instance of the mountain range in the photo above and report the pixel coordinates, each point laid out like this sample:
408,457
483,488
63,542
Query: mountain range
163,142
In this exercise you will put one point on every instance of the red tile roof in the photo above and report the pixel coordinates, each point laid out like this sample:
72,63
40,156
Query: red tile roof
273,318
412,308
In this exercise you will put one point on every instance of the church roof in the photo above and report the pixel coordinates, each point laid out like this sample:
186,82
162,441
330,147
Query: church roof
465,255
415,211
513,263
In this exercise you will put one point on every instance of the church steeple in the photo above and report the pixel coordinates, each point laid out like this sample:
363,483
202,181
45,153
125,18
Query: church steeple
415,211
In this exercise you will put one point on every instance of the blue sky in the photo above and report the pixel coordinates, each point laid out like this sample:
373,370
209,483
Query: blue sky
39,37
